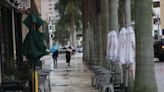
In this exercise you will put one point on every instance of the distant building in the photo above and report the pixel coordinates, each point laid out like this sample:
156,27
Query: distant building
45,9
50,15
157,32
48,12
162,15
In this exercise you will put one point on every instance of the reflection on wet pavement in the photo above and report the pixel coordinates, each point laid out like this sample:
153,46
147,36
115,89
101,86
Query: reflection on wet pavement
159,72
74,78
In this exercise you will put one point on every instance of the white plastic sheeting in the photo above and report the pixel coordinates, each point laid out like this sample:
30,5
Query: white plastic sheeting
112,45
121,56
121,48
130,52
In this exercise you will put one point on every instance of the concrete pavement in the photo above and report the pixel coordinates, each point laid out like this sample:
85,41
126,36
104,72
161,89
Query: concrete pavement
74,78
77,78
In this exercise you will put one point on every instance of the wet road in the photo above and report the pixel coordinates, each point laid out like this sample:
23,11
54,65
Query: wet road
159,72
74,78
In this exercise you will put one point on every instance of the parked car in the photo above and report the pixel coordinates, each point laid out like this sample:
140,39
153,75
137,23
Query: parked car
80,49
159,49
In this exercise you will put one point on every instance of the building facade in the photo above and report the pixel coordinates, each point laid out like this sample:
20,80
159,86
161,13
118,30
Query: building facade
10,38
12,33
48,12
162,15
157,32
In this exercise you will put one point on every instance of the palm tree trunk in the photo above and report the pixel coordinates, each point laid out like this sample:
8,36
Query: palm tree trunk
145,76
84,44
98,33
125,20
121,13
89,44
98,39
127,23
87,34
72,33
70,37
122,23
128,12
85,21
74,38
113,13
113,25
104,29
92,46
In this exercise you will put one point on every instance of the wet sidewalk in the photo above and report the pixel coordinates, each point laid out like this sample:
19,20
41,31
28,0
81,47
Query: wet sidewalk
77,78
73,78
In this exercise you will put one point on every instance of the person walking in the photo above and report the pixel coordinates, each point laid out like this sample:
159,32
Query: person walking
68,55
55,56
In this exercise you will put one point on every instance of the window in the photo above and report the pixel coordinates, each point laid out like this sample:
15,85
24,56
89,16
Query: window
50,8
156,34
50,4
162,31
156,4
156,20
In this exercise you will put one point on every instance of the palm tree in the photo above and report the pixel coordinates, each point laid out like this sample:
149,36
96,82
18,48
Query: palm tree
61,34
145,76
121,13
98,59
132,9
104,28
95,33
70,11
86,31
85,21
92,31
128,12
124,21
113,13
113,25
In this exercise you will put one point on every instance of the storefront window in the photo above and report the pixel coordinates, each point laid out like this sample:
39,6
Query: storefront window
156,4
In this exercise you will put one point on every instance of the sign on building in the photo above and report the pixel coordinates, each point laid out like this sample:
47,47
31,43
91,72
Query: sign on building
24,4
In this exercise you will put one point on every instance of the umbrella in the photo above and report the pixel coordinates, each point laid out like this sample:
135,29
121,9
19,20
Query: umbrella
130,55
121,56
33,45
112,45
31,20
54,48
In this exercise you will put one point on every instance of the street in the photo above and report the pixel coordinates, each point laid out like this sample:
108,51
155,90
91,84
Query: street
159,72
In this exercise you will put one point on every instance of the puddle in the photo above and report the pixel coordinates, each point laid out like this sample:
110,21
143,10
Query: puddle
69,70
59,85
